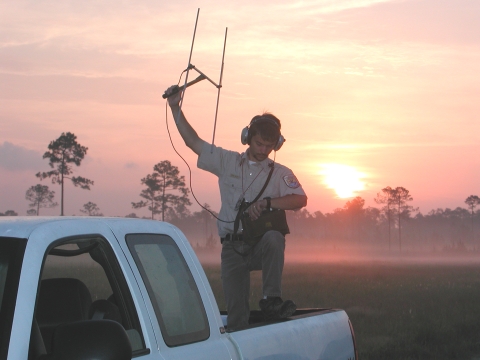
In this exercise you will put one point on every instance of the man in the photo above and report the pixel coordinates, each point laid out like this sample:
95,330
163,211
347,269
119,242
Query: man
241,178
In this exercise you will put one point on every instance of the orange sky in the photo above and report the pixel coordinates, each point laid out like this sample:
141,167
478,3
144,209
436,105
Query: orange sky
388,89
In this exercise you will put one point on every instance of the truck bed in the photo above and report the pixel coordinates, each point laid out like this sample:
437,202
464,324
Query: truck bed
313,333
256,316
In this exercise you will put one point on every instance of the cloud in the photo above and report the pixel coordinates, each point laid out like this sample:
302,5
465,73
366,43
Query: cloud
115,90
131,165
18,158
331,6
367,146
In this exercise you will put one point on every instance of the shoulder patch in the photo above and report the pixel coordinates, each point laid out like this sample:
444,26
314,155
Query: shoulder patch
291,181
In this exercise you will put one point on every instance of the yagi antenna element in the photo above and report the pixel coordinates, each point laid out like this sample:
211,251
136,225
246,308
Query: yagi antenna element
201,77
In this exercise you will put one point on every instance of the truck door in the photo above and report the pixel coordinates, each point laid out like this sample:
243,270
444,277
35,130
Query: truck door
79,278
176,301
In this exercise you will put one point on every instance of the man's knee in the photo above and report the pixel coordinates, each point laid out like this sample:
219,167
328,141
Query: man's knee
274,240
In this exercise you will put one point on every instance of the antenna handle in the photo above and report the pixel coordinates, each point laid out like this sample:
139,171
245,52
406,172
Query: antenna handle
180,88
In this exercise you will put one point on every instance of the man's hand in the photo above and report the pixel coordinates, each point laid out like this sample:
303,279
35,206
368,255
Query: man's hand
256,209
173,100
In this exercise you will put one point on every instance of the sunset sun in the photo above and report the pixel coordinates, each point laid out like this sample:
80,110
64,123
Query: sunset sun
343,179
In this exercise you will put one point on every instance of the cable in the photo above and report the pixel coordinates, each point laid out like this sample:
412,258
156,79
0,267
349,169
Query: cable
186,163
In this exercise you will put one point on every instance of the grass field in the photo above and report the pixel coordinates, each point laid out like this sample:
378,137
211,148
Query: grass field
398,310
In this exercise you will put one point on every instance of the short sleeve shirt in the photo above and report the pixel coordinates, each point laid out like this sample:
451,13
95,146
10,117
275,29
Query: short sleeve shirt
239,178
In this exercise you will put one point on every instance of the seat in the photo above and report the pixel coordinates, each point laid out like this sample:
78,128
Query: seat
61,300
92,339
37,346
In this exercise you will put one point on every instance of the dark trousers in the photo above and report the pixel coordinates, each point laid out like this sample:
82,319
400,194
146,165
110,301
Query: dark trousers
268,255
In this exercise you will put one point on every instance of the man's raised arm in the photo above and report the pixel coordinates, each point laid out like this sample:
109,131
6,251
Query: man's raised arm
188,133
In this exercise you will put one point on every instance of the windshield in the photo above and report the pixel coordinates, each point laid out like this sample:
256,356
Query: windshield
11,256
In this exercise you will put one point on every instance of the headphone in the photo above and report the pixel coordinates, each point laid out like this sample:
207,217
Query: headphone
245,137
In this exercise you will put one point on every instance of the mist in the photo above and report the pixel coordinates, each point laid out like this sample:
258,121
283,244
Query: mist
442,236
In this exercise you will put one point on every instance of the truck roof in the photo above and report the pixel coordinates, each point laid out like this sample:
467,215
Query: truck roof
23,226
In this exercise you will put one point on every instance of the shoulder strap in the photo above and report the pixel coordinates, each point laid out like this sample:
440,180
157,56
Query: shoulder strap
264,185
243,207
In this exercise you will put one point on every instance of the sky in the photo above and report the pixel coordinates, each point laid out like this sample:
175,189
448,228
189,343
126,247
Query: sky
371,93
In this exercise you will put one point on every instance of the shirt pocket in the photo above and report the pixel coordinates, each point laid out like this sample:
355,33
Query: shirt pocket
231,191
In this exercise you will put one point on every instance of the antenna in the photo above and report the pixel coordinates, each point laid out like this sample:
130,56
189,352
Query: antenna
201,77
219,87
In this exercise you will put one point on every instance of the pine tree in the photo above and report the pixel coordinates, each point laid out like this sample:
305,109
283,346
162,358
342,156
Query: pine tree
61,153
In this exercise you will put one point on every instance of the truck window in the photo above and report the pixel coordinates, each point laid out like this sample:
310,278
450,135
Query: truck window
11,256
171,287
81,280
81,267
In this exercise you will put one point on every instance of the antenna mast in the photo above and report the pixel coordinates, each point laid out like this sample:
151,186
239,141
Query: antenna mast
202,76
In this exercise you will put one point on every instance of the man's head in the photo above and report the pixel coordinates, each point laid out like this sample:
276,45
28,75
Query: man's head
267,126
263,135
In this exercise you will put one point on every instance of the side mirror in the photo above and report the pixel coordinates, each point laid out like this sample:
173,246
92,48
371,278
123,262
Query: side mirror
90,339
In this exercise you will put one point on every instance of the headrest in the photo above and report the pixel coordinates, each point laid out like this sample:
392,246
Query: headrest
62,300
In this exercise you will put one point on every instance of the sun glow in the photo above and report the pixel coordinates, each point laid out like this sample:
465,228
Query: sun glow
343,179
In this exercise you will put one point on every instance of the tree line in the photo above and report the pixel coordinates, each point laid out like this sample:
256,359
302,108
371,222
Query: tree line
393,225
65,152
165,193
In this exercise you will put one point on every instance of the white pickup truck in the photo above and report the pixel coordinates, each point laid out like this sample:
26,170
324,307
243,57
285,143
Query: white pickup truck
85,288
